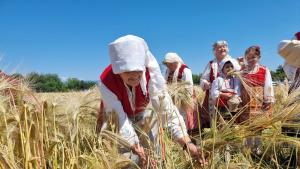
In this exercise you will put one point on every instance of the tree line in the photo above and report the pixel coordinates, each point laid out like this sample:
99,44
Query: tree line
53,83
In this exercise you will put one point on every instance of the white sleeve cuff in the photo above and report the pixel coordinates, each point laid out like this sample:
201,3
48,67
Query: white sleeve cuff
129,135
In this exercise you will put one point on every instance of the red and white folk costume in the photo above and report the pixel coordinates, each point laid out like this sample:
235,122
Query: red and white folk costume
226,85
210,73
131,53
182,74
290,51
133,103
257,91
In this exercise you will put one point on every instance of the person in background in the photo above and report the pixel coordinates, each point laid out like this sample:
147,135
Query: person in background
241,61
131,83
257,92
290,51
225,92
210,73
177,72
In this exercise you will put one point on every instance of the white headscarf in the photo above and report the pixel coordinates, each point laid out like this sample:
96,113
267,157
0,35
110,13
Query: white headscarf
172,58
128,53
222,64
131,53
290,51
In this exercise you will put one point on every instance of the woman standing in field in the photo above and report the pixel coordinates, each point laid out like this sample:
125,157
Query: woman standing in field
178,72
290,51
257,92
211,72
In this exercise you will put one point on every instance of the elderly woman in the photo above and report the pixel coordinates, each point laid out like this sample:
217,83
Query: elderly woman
211,72
131,83
177,71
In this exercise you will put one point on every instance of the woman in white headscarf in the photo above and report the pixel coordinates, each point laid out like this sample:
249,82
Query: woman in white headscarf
290,51
210,73
177,71
130,84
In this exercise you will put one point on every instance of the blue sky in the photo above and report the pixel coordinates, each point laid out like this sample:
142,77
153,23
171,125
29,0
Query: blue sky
70,38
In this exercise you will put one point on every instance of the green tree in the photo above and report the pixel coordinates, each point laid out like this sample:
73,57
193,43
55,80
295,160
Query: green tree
45,83
73,84
35,80
17,76
196,79
76,84
52,83
278,74
88,84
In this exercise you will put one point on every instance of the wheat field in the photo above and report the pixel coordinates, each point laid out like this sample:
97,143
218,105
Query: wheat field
58,130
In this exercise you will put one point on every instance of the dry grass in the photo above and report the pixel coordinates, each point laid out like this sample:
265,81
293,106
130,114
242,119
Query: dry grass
57,130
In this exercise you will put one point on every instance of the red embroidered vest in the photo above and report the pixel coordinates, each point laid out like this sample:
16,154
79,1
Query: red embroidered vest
257,79
116,85
180,71
211,72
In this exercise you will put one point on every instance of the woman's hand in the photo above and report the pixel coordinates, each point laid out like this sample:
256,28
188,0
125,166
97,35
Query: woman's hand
206,85
139,150
196,153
